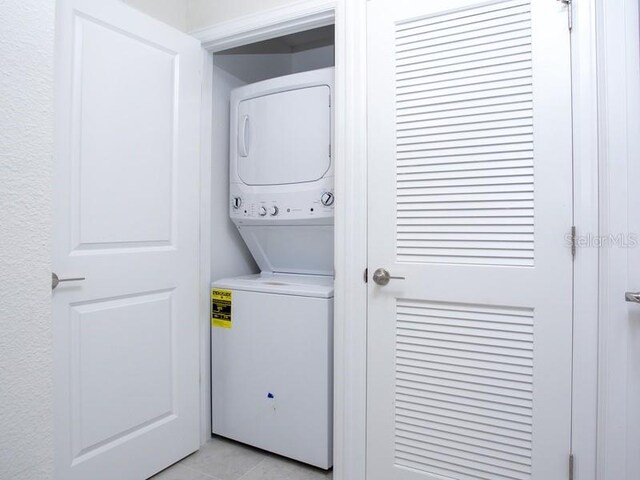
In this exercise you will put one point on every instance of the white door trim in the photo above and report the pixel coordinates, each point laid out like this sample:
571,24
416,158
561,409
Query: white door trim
267,24
206,121
600,28
585,298
350,222
350,324
617,67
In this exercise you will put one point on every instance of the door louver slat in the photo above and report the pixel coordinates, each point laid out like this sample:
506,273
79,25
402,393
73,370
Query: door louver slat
465,125
464,389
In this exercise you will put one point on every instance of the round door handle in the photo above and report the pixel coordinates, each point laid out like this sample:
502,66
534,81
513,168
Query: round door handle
382,277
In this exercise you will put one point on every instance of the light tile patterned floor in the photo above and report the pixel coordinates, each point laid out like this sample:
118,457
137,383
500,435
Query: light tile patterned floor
222,459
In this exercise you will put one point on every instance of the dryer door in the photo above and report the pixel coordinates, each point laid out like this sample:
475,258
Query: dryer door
284,137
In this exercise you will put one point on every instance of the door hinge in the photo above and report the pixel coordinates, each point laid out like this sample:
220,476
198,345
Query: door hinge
571,466
366,275
573,241
569,4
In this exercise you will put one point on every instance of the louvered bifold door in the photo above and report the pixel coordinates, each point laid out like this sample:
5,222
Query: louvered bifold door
470,204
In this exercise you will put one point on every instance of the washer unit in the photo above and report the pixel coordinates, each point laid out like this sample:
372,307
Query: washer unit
272,370
272,381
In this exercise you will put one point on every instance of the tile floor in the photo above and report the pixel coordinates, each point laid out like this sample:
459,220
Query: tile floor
222,459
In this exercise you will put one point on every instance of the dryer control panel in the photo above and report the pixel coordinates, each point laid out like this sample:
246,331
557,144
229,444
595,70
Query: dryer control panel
282,206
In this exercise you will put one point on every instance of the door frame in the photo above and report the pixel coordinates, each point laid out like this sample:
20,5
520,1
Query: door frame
586,221
350,347
618,65
602,71
350,300
586,213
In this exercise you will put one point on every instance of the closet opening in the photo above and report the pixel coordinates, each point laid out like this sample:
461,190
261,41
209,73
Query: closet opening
272,245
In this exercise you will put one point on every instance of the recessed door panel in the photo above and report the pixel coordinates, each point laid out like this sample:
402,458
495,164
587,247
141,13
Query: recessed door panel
123,165
120,387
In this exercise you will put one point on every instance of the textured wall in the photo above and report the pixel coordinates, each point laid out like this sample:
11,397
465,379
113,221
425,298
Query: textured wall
202,13
173,12
190,15
26,148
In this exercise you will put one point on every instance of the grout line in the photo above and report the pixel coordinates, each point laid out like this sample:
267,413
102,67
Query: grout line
254,467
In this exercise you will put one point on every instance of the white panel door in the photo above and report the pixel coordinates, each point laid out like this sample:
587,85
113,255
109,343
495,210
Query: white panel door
469,353
126,218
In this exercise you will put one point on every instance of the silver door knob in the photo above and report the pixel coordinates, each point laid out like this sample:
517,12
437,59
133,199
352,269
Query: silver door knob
382,277
55,280
633,297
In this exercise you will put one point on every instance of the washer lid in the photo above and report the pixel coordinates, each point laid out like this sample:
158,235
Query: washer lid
319,286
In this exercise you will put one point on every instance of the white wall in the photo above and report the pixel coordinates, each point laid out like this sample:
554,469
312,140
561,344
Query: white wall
312,59
229,255
251,68
173,12
26,148
203,13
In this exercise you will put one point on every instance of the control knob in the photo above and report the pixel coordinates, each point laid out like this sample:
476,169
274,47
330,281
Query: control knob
327,199
273,211
236,202
262,212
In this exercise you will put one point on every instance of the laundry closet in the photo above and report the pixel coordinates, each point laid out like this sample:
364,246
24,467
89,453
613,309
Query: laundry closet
272,210
194,253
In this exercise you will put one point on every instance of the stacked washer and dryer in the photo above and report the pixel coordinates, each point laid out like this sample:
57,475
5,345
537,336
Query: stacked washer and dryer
272,358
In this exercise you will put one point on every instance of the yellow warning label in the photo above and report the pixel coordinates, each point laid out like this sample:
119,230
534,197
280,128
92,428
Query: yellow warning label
221,308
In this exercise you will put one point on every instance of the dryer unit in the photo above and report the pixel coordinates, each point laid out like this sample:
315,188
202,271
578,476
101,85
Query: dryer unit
281,171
